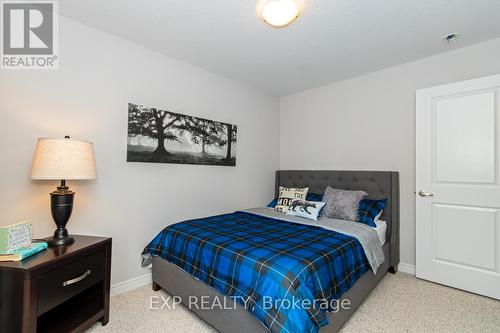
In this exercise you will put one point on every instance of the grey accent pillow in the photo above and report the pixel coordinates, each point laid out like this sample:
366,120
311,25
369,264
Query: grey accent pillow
342,204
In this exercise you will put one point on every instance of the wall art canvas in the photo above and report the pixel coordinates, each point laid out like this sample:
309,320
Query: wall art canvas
160,136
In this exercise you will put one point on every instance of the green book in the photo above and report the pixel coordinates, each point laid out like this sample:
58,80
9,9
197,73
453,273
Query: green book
15,236
24,252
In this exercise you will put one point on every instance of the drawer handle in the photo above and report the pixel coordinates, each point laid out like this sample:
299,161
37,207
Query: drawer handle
78,279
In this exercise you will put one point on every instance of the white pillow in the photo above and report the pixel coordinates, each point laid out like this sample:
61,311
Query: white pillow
307,209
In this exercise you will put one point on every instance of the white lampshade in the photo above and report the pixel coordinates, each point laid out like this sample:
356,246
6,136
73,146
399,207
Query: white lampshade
58,159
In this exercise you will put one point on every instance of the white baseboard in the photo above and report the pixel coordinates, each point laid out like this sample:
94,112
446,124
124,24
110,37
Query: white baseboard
406,268
134,283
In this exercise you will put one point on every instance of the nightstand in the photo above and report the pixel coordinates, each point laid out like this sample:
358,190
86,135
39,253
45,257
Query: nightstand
63,289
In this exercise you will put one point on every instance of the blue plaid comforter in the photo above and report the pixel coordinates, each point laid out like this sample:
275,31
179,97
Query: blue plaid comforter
284,273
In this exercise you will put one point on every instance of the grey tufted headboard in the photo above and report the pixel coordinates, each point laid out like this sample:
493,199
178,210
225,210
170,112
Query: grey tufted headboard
378,185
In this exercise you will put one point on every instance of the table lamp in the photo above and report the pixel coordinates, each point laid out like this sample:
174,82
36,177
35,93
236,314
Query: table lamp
62,159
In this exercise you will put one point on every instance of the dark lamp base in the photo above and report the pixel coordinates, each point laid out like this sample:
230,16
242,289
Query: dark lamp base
61,206
60,241
60,237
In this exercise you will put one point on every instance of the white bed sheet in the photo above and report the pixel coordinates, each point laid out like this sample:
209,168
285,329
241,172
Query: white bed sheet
381,230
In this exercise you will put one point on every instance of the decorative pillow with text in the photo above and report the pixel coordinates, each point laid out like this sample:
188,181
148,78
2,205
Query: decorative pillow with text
309,197
287,194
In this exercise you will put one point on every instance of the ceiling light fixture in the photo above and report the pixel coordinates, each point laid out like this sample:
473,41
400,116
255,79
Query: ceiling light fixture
280,13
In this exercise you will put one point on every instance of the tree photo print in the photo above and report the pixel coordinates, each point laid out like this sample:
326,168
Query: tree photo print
160,136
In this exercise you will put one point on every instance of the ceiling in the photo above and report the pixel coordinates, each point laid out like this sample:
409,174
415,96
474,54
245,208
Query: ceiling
331,40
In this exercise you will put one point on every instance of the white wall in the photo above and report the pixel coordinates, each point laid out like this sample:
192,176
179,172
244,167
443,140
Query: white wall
87,98
368,122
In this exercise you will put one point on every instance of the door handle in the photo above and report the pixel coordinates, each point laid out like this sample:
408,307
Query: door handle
425,194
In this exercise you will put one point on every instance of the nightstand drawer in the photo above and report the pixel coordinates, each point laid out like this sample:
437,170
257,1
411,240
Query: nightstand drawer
60,284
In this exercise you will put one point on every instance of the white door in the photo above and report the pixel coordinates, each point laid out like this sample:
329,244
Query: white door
458,185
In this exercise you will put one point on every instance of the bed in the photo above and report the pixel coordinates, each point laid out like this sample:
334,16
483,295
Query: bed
235,318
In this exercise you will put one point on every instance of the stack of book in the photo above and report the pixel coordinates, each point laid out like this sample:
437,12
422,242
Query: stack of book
16,242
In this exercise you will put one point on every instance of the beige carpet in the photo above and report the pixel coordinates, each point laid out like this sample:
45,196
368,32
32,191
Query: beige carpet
400,303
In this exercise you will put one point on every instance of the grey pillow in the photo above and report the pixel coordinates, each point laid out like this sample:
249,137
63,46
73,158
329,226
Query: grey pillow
342,204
